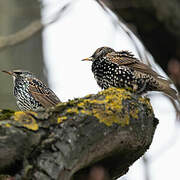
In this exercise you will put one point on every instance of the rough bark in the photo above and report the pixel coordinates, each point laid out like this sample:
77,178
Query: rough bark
112,128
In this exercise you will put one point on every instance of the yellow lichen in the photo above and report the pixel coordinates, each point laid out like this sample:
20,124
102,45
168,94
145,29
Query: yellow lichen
109,108
72,110
134,113
85,112
26,119
61,119
147,102
7,125
113,107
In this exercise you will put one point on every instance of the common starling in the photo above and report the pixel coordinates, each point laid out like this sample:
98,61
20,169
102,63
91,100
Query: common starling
30,92
123,70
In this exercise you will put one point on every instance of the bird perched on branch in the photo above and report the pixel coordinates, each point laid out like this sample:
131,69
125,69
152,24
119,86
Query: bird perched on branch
30,92
123,70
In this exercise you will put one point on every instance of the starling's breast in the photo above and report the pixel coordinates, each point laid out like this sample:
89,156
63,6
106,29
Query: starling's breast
25,100
108,74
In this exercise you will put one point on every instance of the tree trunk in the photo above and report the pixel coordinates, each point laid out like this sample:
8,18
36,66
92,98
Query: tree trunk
112,128
15,15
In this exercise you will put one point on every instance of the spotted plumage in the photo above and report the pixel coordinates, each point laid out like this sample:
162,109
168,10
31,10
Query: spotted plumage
123,70
30,92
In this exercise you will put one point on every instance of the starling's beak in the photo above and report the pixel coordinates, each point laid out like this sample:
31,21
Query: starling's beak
88,59
9,72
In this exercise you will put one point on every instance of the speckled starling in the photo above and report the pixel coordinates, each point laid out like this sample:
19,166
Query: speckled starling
30,92
123,70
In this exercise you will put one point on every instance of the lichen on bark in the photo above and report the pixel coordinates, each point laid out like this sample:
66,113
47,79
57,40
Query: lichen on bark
112,128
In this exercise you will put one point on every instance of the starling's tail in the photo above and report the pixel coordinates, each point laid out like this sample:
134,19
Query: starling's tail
165,87
172,93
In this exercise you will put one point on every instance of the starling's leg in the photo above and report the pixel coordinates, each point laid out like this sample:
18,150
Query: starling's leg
134,90
135,87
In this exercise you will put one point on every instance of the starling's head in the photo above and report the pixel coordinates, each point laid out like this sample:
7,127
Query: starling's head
99,53
19,74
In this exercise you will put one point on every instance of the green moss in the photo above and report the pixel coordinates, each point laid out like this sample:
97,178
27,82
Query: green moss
5,114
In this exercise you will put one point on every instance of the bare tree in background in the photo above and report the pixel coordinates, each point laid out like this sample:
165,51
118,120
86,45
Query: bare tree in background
157,24
28,55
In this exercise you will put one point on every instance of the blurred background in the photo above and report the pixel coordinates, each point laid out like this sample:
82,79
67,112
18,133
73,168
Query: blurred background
50,37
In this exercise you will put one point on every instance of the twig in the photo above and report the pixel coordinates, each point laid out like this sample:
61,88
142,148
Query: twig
146,167
29,30
21,35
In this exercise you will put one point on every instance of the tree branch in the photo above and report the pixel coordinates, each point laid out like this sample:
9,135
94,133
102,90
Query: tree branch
29,30
110,130
21,35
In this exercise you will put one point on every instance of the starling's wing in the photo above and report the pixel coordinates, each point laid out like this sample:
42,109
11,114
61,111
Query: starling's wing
42,93
125,58
122,58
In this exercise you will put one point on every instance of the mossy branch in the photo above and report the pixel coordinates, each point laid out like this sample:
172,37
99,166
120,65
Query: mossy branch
112,128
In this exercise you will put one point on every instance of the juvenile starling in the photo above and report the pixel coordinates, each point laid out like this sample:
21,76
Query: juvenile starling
123,70
30,92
